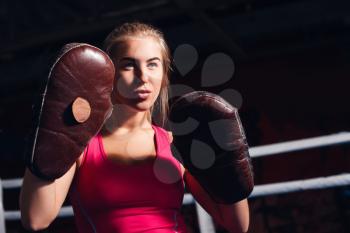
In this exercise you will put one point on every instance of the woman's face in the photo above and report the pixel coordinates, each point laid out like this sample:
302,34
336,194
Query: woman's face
139,67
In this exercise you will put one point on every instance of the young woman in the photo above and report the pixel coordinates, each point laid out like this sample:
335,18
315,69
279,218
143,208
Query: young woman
127,180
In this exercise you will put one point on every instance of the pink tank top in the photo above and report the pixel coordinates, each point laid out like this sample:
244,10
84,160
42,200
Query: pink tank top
108,197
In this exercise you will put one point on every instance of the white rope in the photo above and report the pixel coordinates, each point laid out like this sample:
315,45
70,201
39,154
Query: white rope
302,144
12,183
65,211
259,191
301,185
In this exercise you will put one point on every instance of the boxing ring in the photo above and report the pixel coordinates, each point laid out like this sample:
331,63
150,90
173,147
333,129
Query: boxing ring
204,220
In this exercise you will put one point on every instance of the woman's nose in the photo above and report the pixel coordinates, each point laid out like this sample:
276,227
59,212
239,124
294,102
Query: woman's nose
141,74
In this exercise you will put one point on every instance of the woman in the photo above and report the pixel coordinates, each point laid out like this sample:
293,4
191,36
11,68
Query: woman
126,180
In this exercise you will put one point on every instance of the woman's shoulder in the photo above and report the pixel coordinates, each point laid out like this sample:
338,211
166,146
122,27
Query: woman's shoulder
167,132
170,136
81,157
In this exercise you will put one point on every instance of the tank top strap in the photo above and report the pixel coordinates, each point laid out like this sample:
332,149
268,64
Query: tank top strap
163,140
165,157
92,150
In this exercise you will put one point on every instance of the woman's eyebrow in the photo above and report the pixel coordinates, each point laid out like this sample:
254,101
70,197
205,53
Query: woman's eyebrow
127,59
153,58
134,60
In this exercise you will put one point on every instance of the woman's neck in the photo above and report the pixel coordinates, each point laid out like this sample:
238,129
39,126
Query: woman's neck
125,120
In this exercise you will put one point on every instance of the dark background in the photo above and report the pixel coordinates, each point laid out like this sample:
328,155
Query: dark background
291,69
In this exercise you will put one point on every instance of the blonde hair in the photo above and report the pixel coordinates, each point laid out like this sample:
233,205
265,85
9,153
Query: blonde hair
136,29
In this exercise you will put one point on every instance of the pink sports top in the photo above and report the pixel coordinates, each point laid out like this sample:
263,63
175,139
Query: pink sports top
108,197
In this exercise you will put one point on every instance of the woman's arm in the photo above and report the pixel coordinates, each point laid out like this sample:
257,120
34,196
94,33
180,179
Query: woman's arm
40,201
234,218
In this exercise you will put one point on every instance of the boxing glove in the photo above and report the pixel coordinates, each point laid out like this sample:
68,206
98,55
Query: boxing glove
208,138
75,103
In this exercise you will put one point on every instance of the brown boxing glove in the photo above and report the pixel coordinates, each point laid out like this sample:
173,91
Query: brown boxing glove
210,141
73,107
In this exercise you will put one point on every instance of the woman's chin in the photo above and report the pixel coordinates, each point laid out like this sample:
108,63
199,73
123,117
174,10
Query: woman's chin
141,105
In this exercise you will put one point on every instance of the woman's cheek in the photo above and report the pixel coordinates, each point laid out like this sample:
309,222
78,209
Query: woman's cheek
123,88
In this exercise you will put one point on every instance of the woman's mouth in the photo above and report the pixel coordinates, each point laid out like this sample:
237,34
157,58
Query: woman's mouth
143,94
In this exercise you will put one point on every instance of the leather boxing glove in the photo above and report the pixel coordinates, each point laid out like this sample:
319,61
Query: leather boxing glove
74,105
210,141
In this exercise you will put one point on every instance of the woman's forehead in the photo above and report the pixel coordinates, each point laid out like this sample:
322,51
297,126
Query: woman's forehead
140,48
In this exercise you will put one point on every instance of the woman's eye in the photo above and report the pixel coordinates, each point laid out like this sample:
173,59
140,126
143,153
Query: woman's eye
128,65
152,65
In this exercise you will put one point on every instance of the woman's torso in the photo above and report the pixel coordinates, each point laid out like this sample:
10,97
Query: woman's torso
128,186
